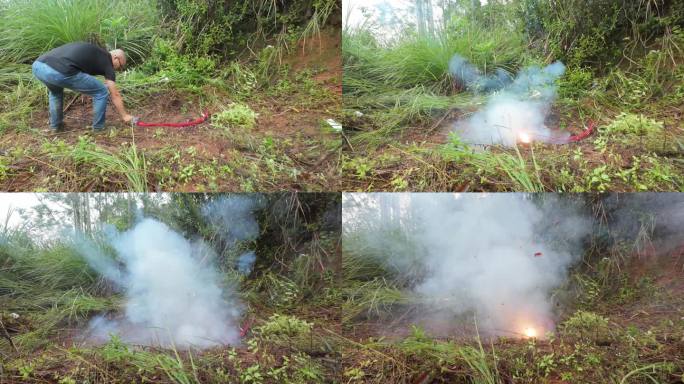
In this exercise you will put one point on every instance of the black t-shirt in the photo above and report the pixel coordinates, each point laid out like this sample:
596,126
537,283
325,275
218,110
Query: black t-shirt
72,58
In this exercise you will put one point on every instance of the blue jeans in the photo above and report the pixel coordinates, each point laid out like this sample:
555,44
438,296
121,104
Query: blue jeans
80,82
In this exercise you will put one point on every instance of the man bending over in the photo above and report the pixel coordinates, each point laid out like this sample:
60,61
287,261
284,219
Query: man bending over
74,66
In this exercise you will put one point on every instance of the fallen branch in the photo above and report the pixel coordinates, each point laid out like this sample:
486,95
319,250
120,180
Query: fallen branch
8,337
346,139
71,102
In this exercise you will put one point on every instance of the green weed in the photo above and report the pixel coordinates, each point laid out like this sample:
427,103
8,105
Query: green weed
283,325
252,375
129,164
279,291
516,168
634,129
16,105
370,299
236,122
587,326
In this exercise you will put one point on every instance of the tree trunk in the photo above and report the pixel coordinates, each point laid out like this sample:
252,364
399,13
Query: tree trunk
429,18
420,17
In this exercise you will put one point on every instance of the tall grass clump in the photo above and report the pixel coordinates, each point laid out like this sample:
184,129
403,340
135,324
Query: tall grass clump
378,269
425,59
129,164
29,28
19,94
415,59
322,10
405,80
48,285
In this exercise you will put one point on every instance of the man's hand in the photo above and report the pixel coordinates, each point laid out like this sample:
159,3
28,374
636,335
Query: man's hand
118,101
132,120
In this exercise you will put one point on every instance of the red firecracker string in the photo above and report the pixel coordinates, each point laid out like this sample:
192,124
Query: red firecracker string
197,121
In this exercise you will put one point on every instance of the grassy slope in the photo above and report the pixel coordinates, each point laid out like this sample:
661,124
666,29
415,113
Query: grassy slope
409,104
55,294
289,147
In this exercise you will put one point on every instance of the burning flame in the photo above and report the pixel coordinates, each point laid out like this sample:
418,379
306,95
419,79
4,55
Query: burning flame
524,137
530,332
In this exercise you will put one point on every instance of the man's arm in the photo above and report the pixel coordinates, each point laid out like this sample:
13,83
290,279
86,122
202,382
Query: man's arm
117,101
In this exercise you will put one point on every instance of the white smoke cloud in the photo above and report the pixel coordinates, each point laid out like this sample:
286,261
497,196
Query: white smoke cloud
496,256
246,262
173,295
517,112
92,253
233,216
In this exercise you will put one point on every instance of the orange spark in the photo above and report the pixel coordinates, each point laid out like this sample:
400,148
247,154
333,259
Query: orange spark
524,137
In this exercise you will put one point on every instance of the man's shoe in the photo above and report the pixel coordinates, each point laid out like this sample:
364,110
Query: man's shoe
99,130
57,129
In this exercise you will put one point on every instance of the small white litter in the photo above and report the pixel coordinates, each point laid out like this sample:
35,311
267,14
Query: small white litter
337,127
358,113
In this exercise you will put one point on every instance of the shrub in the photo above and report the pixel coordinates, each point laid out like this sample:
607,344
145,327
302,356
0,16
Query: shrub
186,71
579,35
224,28
587,326
284,325
575,83
632,129
236,115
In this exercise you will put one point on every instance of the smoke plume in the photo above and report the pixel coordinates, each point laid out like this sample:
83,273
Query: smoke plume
246,262
497,257
517,111
173,295
233,218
